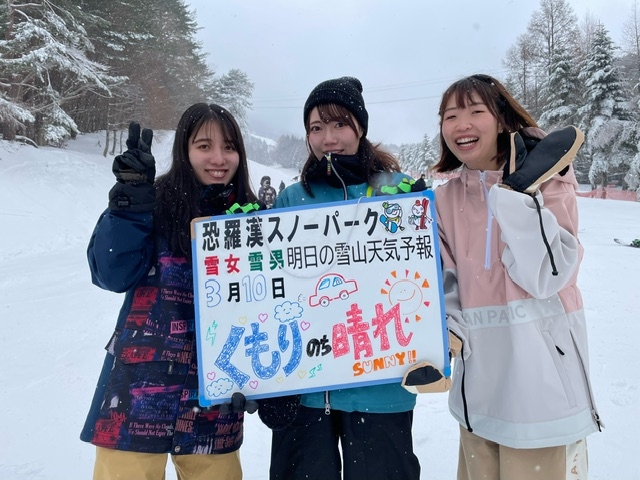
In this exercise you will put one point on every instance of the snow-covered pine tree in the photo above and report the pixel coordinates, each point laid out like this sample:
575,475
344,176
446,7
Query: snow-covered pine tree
561,92
428,155
528,62
562,98
605,117
633,175
234,91
44,64
290,152
402,157
631,60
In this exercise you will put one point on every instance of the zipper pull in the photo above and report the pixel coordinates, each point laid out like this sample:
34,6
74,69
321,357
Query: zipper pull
170,371
327,405
328,157
596,417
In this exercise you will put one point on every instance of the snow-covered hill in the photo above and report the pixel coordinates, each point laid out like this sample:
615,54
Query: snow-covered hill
55,323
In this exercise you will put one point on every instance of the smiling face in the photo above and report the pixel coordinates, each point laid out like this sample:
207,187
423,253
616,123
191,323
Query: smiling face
471,133
407,294
333,136
213,159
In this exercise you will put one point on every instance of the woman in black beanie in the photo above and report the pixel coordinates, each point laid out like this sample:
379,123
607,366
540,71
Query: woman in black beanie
371,425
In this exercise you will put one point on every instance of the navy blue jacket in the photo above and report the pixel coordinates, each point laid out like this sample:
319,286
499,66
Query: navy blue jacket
146,399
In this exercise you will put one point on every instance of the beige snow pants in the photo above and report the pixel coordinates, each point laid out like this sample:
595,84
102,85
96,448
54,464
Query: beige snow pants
120,465
481,459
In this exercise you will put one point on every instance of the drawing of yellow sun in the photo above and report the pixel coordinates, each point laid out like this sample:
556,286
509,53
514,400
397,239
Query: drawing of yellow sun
406,291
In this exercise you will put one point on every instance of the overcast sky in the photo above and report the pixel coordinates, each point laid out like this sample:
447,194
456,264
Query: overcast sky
405,52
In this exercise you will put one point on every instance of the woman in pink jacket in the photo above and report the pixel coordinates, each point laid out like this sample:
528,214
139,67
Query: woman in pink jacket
508,229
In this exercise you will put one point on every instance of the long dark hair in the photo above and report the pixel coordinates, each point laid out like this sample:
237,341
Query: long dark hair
374,158
178,191
510,114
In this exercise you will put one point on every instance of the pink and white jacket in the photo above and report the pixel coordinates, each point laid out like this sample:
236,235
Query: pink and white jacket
522,378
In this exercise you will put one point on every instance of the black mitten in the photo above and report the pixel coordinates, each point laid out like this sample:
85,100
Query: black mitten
239,404
424,377
526,171
278,413
135,171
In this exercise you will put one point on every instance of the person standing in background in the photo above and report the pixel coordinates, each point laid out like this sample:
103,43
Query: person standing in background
420,183
266,193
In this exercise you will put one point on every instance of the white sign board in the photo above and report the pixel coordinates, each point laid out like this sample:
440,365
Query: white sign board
316,298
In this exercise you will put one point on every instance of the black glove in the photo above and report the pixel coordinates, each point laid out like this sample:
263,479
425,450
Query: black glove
238,404
136,164
278,413
526,170
135,172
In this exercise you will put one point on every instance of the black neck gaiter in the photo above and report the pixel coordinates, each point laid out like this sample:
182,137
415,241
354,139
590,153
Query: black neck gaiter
215,199
331,168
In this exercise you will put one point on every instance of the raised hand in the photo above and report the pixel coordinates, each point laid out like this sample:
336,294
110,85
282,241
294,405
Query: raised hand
526,170
136,164
135,172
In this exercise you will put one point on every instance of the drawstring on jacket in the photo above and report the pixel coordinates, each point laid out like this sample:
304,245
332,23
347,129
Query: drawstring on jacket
335,171
463,391
554,270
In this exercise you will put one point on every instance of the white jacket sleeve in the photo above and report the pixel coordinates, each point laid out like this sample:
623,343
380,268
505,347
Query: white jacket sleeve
525,255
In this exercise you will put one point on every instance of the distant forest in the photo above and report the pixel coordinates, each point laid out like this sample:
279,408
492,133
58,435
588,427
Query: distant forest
70,66
568,71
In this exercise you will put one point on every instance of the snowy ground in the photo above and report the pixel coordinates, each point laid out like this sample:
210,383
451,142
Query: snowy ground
56,323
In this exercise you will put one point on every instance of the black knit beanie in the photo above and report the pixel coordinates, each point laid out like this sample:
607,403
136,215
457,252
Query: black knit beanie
344,91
